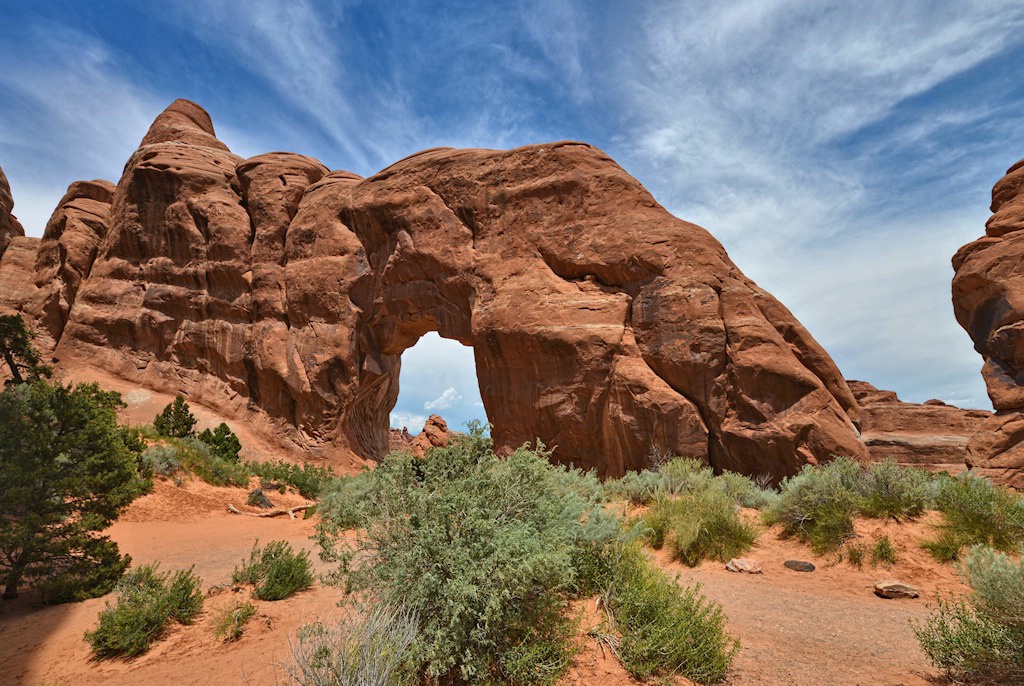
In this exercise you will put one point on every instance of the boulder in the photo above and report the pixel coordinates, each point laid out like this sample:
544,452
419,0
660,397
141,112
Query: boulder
988,300
738,564
931,435
284,294
799,565
891,588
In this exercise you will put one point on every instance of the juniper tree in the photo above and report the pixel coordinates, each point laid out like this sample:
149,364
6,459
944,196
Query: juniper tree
20,356
65,474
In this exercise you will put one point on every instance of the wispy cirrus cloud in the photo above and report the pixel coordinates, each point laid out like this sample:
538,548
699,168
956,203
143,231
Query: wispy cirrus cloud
68,112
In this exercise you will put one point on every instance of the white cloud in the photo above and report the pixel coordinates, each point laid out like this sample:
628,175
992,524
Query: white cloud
70,113
735,117
448,398
413,422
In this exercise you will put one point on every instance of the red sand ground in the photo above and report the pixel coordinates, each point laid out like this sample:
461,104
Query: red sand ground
823,627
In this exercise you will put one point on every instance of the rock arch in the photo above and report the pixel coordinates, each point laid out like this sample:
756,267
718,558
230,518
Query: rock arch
277,290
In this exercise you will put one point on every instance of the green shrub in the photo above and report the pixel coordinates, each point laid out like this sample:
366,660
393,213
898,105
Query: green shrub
975,512
745,491
346,502
639,488
276,571
854,554
371,647
893,491
683,475
176,420
163,460
307,479
981,639
699,525
817,505
147,600
666,629
884,552
486,552
223,442
230,621
997,585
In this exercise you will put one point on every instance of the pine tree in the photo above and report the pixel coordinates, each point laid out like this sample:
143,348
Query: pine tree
65,474
18,353
176,420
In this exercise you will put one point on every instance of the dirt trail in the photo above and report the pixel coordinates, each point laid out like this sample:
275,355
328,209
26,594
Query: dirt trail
800,629
827,626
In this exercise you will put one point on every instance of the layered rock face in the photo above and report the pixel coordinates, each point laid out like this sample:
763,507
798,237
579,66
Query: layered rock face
931,435
281,292
10,227
988,299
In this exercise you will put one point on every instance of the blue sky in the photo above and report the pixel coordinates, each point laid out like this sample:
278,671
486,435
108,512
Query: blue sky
841,151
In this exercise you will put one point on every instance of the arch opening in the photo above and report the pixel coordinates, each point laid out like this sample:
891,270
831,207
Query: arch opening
438,376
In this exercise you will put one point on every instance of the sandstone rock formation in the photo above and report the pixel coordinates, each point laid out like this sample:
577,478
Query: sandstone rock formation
434,435
988,299
932,435
10,227
280,292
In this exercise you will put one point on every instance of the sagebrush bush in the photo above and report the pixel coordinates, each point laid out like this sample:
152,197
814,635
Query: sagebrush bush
308,479
666,629
976,512
147,600
981,639
817,505
230,621
486,552
163,460
346,502
368,647
699,525
745,491
638,488
275,571
889,490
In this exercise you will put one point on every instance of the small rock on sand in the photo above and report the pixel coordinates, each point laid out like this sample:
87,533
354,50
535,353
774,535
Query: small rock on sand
799,565
891,588
739,564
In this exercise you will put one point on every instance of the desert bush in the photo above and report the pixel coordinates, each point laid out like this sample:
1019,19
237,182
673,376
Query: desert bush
682,475
223,442
883,552
745,491
854,554
347,502
889,490
276,571
666,629
976,512
230,621
486,552
981,639
639,488
699,525
147,600
307,479
163,460
817,505
366,647
175,420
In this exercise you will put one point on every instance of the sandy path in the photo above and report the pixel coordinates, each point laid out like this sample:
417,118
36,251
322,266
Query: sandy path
800,629
827,626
